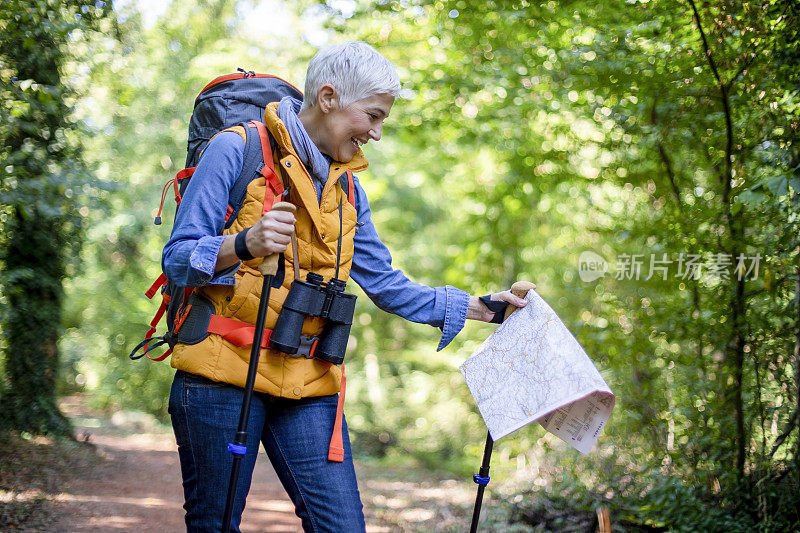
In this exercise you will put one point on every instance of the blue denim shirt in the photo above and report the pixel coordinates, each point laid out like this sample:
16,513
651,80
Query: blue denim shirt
190,255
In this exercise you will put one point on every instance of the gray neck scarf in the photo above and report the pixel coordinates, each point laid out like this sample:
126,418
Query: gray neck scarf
317,164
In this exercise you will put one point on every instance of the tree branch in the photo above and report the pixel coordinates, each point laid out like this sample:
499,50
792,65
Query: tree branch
665,158
790,427
723,89
670,174
706,48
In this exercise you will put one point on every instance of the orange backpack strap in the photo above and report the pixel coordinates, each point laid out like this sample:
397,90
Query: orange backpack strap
351,189
157,284
236,332
162,308
336,447
268,167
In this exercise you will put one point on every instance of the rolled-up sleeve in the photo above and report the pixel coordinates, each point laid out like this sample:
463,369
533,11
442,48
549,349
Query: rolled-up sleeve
190,256
391,290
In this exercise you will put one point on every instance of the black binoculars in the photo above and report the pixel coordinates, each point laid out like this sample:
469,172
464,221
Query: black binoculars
314,297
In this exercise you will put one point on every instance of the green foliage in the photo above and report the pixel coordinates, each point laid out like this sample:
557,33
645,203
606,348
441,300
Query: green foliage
42,182
641,128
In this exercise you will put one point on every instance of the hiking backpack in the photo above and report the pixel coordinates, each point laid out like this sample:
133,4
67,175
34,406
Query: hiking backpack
231,100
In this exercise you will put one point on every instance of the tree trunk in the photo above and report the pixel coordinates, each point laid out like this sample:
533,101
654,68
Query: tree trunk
37,231
734,350
797,350
32,327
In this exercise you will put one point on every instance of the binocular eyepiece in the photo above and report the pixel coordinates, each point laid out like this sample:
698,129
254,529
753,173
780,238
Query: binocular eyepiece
314,297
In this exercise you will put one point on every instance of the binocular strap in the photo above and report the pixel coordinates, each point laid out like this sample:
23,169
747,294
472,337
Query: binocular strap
339,242
295,257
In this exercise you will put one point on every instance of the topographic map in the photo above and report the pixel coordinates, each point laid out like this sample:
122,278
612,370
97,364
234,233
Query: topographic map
532,368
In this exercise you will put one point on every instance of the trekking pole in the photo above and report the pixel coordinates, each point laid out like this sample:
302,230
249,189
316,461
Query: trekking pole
482,479
519,289
238,448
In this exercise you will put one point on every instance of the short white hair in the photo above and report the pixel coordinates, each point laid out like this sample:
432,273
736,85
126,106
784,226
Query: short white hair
356,71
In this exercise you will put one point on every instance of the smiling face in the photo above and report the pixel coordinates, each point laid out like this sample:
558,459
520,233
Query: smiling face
342,130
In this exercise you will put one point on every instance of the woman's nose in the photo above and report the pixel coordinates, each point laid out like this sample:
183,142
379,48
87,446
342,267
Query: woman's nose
375,132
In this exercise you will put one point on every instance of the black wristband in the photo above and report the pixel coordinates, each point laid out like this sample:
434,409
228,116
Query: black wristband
240,246
498,308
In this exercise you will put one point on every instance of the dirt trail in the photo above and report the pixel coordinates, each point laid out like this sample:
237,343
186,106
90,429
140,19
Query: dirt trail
137,487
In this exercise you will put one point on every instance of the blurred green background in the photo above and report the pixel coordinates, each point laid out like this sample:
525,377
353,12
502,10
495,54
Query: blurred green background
657,132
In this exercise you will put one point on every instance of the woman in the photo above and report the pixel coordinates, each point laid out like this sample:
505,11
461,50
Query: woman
349,92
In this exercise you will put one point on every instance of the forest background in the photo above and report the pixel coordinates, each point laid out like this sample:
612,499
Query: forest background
660,135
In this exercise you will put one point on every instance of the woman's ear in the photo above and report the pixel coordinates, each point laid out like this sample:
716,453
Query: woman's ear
327,99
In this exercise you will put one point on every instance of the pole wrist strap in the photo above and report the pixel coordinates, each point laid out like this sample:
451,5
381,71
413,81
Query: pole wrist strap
498,308
240,246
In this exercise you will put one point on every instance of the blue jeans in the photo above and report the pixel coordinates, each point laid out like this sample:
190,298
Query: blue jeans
295,434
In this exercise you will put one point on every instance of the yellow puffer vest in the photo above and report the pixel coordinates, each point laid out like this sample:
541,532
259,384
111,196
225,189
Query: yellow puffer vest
317,232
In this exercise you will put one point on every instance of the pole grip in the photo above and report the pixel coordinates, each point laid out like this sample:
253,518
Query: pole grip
519,289
269,266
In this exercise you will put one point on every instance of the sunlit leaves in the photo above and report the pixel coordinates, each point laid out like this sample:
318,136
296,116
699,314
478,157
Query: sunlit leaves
560,126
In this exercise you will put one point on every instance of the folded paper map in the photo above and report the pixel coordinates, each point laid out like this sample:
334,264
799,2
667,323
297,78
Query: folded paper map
532,368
